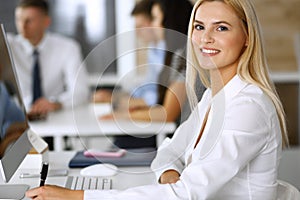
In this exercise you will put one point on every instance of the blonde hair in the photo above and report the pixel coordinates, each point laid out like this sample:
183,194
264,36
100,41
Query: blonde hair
252,67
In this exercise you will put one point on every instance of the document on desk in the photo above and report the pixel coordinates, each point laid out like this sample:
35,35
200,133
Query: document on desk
133,157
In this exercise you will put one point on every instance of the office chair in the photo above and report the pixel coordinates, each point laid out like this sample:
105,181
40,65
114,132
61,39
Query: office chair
286,191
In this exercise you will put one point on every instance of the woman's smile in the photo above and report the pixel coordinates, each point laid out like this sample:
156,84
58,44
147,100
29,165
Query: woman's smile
209,51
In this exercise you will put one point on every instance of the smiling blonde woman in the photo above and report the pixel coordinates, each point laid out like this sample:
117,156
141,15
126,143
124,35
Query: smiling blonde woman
230,146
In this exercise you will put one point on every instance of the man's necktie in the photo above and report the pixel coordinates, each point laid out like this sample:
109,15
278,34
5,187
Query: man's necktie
36,84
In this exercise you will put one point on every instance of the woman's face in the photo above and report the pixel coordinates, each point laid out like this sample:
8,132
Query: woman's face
218,36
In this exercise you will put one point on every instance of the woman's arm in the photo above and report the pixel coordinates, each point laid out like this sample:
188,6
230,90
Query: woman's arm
170,110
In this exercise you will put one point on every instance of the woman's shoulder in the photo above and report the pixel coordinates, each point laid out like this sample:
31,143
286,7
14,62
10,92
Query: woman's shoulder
253,95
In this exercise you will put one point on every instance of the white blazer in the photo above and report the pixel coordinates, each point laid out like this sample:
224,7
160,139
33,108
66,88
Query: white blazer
237,157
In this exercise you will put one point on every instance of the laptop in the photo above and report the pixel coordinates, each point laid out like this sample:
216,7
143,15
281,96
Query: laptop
14,150
13,157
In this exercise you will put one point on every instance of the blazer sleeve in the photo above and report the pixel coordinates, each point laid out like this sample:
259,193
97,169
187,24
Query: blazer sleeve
240,141
171,154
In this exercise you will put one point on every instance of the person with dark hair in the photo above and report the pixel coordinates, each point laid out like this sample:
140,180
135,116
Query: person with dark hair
147,94
170,24
171,96
47,63
147,89
171,21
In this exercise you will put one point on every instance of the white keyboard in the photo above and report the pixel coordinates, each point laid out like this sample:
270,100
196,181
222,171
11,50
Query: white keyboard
88,183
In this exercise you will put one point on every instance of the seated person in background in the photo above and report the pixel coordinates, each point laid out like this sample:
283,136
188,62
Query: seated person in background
11,120
167,19
47,64
146,95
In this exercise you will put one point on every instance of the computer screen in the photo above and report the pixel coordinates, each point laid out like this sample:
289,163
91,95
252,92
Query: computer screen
14,141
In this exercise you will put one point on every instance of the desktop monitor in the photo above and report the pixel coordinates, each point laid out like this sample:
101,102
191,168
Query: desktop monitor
19,143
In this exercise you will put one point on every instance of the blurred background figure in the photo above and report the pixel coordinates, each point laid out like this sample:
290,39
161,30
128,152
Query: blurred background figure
47,63
146,94
169,24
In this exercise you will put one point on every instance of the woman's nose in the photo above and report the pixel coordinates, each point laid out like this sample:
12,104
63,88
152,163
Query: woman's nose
207,37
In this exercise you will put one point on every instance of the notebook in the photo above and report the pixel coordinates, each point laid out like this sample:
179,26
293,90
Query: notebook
133,157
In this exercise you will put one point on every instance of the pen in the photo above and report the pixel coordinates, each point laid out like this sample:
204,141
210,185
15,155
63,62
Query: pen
44,173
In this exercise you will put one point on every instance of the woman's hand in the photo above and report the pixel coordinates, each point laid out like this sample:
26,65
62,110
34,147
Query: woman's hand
51,192
169,176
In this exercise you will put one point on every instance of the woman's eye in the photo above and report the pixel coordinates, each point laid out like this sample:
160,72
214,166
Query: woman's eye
222,28
199,27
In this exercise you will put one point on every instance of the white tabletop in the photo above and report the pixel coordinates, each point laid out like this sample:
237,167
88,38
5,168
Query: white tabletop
125,178
84,121
133,176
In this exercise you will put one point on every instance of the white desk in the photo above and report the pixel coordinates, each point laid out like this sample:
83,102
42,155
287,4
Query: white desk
83,121
126,177
289,170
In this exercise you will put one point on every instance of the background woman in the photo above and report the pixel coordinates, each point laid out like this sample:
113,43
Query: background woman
170,24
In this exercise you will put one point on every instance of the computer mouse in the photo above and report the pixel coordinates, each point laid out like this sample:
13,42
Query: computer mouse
101,169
